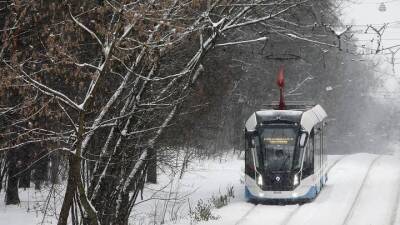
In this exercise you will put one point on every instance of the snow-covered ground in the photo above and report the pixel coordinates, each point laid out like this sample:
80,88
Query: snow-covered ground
203,179
362,189
36,207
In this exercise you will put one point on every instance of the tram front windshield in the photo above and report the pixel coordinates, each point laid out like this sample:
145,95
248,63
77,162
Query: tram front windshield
278,145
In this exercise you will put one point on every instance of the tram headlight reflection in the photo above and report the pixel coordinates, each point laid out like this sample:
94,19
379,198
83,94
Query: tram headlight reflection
296,180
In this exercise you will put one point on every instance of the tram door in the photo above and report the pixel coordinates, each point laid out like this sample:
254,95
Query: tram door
317,151
323,149
309,159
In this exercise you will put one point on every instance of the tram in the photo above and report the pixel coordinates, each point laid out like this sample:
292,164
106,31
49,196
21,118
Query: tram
285,158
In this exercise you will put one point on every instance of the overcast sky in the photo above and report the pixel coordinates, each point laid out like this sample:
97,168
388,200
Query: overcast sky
360,13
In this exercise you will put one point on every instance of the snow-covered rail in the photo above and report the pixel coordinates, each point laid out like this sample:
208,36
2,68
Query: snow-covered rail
276,214
395,217
334,163
377,201
336,199
357,198
241,220
361,189
289,217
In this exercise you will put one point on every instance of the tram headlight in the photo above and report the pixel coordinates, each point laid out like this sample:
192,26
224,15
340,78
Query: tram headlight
259,180
296,180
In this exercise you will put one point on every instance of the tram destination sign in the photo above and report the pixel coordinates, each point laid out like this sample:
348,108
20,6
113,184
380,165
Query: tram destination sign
279,140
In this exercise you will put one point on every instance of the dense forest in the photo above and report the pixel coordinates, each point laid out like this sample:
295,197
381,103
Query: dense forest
96,95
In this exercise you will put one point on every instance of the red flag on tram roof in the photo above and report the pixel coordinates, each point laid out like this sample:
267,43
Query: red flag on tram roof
281,78
281,83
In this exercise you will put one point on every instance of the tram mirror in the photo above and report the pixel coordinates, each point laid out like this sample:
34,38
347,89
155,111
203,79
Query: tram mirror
252,142
250,139
303,139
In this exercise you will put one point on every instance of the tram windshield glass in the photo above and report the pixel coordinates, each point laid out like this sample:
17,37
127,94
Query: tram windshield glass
278,148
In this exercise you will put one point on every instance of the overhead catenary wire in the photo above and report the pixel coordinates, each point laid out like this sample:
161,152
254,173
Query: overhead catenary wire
373,24
375,2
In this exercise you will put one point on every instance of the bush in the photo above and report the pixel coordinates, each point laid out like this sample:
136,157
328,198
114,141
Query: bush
203,212
223,199
230,192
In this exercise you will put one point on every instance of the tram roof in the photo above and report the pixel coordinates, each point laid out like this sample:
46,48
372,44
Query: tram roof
307,118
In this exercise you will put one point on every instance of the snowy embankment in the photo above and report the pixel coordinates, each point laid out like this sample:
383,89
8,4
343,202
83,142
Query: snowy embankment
362,189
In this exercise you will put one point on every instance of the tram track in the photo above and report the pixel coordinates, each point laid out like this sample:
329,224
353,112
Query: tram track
290,216
293,213
287,219
243,218
393,217
357,198
350,210
334,163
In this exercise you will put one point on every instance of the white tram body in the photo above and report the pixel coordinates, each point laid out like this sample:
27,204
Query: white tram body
284,153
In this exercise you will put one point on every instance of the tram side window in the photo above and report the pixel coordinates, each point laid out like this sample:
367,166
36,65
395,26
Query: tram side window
323,143
256,153
308,167
317,148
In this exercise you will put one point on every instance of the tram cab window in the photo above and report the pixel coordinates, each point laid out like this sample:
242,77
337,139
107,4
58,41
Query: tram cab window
308,167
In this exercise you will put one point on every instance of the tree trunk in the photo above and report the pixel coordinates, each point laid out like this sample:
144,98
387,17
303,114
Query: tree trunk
74,171
12,197
152,168
40,174
54,168
75,185
25,179
3,171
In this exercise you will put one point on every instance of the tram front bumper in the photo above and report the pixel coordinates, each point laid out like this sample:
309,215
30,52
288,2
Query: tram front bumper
299,193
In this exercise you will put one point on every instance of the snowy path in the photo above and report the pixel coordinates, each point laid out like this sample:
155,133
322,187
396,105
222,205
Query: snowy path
363,189
379,197
336,200
275,215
